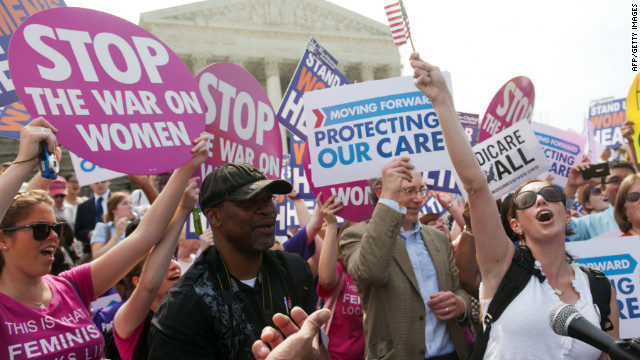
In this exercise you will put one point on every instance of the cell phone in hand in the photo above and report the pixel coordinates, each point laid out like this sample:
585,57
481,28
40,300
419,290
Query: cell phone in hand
596,170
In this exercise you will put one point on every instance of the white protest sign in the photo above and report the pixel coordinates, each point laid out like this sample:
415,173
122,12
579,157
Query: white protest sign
90,173
564,149
511,157
353,130
618,258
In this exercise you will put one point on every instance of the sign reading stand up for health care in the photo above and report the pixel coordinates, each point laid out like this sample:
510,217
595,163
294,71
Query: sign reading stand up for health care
353,130
119,97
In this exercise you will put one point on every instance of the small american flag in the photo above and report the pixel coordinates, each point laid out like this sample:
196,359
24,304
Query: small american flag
399,29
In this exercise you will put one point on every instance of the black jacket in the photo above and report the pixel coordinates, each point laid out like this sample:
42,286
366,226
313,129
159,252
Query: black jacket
200,318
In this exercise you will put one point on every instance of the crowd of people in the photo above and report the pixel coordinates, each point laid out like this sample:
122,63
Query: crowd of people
402,285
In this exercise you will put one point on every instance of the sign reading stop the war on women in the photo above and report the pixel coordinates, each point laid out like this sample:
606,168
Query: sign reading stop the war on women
512,103
564,149
353,130
616,257
13,13
119,97
511,157
606,117
316,70
354,195
240,119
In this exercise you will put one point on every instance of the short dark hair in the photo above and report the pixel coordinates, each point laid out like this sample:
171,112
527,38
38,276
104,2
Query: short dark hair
619,164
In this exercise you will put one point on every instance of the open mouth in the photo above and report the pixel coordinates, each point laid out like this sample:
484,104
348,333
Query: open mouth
544,216
174,277
49,251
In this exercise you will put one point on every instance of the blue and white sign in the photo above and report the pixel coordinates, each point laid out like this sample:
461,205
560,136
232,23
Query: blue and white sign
363,126
90,173
618,258
316,70
563,149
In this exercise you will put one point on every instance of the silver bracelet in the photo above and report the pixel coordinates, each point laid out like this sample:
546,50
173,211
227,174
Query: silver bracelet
466,230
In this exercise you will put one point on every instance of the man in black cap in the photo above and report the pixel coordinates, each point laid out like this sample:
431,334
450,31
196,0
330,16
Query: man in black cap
218,309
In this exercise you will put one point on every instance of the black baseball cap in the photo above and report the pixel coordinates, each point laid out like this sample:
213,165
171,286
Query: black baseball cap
236,182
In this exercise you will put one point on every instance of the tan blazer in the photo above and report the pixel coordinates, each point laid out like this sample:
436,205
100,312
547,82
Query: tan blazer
394,313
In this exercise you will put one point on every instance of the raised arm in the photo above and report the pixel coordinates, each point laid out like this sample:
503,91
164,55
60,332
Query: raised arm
327,267
133,312
494,249
31,136
112,266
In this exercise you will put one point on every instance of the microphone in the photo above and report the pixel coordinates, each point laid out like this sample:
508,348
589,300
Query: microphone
566,320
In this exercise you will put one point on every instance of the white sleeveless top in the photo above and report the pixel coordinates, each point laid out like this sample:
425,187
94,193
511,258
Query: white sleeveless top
523,331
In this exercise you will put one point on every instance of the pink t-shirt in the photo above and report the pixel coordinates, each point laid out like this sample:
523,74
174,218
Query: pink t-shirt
346,335
126,347
63,330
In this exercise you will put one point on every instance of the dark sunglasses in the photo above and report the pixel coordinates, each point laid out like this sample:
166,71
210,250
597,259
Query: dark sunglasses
526,199
632,197
42,230
596,191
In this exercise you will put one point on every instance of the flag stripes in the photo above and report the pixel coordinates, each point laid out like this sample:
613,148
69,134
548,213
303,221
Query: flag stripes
397,23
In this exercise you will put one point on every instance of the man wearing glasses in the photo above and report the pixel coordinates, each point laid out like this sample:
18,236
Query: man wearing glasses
592,225
405,274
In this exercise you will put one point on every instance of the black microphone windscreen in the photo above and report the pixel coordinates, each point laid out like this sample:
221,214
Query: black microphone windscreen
559,316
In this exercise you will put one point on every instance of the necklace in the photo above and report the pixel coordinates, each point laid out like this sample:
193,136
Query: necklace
40,305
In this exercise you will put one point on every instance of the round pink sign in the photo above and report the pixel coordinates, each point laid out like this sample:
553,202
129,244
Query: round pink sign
512,103
241,120
119,97
355,195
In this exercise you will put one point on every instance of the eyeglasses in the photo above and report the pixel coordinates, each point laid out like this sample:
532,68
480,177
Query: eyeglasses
41,230
596,191
614,181
411,192
632,197
526,199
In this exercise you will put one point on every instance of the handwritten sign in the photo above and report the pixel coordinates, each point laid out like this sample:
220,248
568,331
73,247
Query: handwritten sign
512,103
119,97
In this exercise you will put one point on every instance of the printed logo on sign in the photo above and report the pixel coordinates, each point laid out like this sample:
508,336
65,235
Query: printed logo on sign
611,265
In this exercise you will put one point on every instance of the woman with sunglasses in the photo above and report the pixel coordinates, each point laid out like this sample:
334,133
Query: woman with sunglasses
539,217
45,316
592,198
627,208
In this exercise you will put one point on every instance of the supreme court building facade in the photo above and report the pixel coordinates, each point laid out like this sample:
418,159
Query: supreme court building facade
268,38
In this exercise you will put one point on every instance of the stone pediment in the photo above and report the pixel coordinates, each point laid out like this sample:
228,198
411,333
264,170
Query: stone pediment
317,16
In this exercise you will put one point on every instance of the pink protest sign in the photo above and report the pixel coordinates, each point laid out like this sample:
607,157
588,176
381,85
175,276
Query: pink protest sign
119,97
241,120
512,103
355,195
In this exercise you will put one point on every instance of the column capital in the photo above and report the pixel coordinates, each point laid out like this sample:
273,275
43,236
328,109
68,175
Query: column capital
272,66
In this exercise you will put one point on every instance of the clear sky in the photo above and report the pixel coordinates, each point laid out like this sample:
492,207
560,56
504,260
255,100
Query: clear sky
573,51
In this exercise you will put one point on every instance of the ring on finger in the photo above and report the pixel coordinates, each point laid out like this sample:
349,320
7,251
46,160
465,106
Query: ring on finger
446,310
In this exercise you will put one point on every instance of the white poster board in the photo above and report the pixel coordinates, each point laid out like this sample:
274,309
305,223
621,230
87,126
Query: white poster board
511,157
353,130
